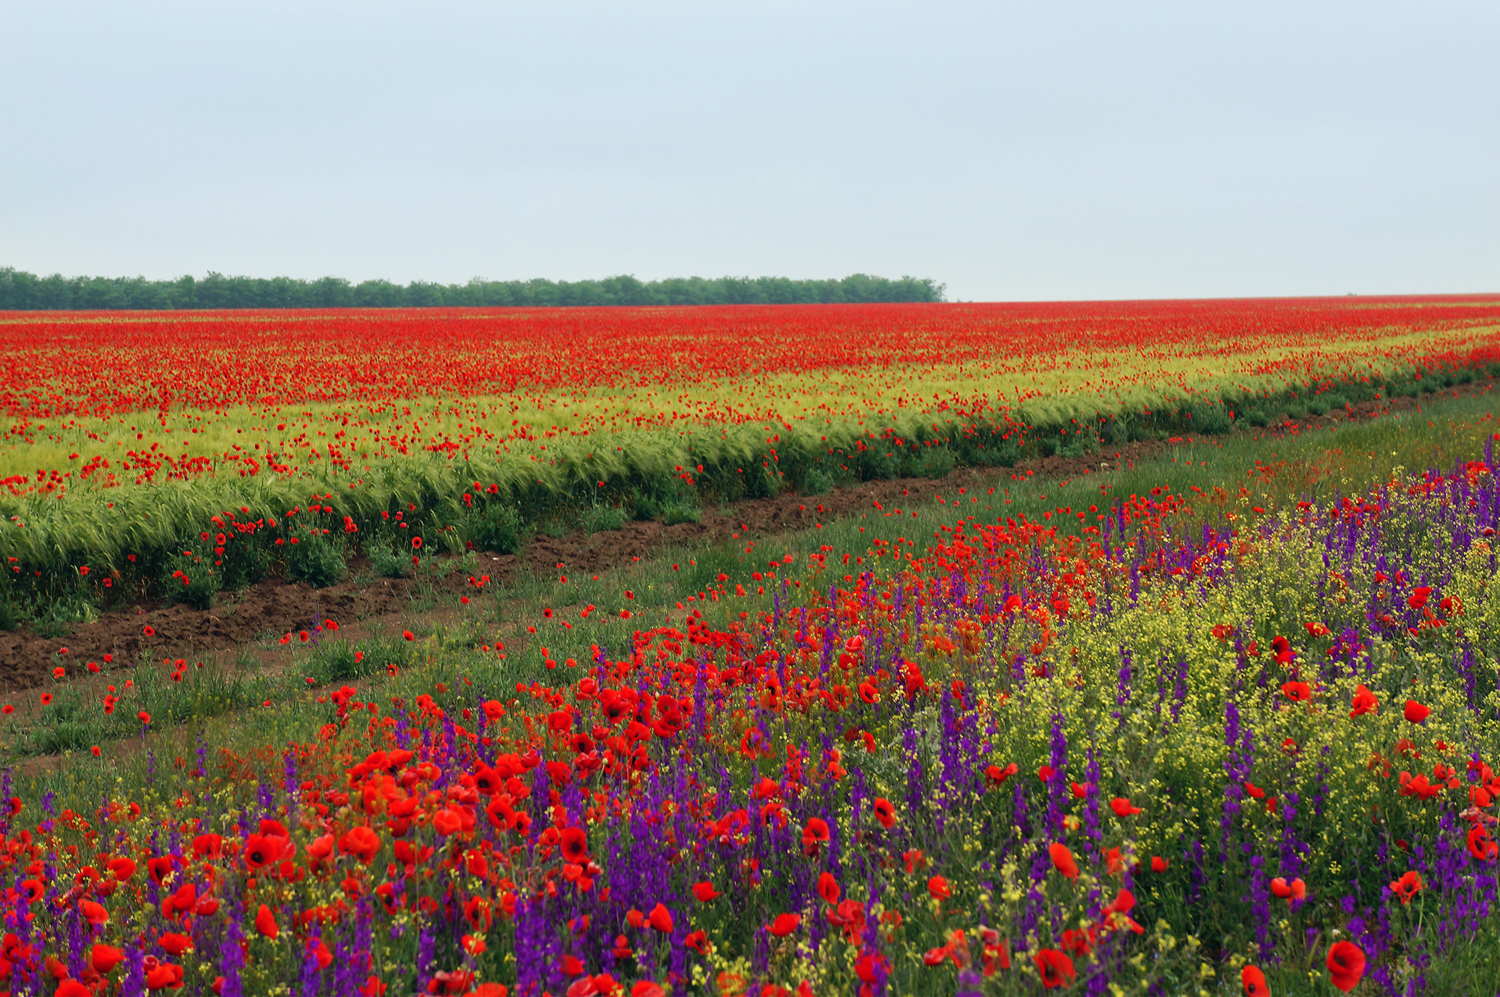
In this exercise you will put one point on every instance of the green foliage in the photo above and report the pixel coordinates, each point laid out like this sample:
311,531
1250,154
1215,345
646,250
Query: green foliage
246,561
498,526
314,558
192,579
596,518
338,661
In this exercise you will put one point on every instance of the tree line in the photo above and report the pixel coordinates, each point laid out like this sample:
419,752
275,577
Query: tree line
22,291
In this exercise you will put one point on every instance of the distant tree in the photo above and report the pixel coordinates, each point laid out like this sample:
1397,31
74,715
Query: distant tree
20,290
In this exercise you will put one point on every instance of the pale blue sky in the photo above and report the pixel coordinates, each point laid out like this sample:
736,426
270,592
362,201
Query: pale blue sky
1044,150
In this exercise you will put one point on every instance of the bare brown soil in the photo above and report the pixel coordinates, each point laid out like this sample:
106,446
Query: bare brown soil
275,606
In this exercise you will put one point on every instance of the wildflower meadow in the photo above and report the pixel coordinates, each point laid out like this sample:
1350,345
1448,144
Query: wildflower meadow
1218,718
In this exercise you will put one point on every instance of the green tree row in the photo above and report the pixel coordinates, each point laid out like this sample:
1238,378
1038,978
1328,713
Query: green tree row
22,291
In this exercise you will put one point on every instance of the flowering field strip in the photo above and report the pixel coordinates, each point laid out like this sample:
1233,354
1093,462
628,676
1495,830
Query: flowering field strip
1173,742
126,432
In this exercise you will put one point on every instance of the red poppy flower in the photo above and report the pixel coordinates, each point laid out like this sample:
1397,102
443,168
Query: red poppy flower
661,919
575,845
72,988
144,717
828,888
416,543
148,630
885,812
1408,886
939,888
362,843
785,924
1254,982
92,912
1123,807
176,944
1297,692
1158,864
814,835
1346,965
1418,597
997,775
1415,712
1055,968
704,892
1285,891
408,635
165,976
447,821
265,923
1364,702
1481,845
1062,860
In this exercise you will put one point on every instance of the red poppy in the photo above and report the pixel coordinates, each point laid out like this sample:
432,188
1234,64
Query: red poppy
661,919
1062,860
885,812
997,775
1123,807
265,923
1415,712
362,843
166,976
575,845
1284,890
408,635
1418,597
148,630
785,924
828,888
447,821
1158,864
704,892
814,835
72,988
1297,692
1254,982
1408,886
416,543
1055,968
939,888
1346,965
176,944
105,957
1481,845
1364,702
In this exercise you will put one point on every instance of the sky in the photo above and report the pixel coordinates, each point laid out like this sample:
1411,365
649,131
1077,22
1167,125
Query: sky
1013,151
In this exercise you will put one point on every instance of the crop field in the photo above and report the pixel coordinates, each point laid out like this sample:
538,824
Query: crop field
1165,664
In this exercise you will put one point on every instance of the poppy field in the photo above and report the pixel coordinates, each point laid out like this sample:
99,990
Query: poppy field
129,432
1223,722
